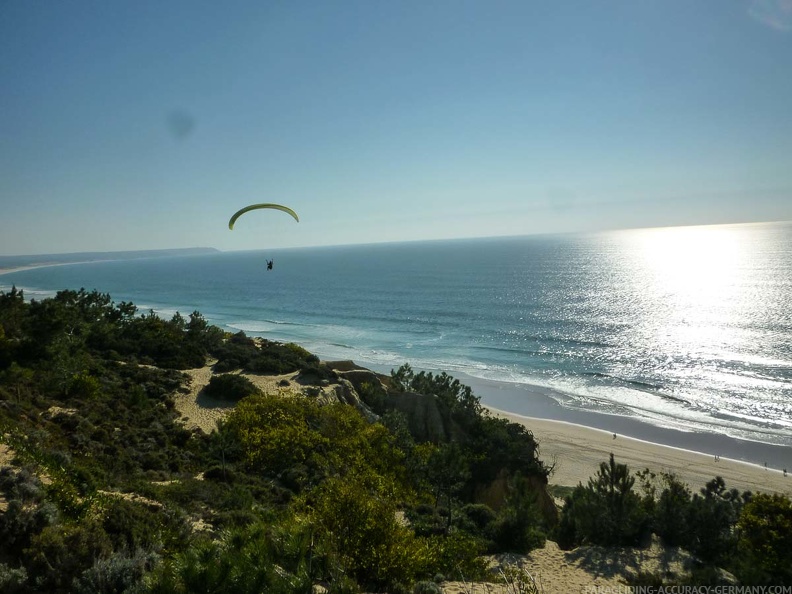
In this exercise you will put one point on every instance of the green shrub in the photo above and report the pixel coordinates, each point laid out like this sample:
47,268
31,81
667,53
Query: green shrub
12,580
458,556
274,559
131,525
765,540
21,523
302,353
356,517
300,441
62,552
426,588
230,386
605,512
120,573
672,511
477,515
711,519
518,526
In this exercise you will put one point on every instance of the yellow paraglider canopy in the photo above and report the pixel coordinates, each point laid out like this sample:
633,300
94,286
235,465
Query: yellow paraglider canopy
242,211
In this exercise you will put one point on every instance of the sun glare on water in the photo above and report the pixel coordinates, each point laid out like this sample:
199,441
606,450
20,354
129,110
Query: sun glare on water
697,283
694,268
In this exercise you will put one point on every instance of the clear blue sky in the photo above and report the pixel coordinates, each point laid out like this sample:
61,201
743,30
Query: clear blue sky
146,124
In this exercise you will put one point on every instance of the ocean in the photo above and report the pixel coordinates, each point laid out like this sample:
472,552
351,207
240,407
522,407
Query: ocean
686,328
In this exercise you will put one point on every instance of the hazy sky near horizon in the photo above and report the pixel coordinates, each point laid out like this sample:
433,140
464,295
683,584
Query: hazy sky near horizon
146,124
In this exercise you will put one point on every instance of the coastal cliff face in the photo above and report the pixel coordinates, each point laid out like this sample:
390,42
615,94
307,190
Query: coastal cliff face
494,494
423,412
423,416
429,420
345,392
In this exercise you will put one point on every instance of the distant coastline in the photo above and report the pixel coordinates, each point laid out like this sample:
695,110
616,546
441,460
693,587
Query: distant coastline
25,262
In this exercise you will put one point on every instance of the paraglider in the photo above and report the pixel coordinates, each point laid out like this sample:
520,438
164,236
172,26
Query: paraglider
242,211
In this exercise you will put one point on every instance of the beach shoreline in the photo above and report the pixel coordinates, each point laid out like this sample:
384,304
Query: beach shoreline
575,453
537,402
11,269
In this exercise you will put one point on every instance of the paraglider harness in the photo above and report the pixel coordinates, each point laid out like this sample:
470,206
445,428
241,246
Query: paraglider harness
269,264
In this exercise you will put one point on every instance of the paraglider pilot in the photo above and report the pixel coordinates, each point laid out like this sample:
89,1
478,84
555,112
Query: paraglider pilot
269,264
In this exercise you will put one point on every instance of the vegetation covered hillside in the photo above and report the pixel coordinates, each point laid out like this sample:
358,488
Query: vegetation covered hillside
342,480
103,489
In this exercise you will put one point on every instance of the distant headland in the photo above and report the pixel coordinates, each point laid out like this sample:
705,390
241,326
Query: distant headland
33,260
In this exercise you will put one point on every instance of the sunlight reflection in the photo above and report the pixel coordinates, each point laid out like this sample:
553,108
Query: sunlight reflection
692,279
697,267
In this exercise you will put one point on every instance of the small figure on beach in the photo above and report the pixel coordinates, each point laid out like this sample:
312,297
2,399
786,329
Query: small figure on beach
785,472
269,264
614,436
717,458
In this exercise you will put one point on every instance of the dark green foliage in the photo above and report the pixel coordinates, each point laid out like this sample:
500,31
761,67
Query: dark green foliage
12,315
518,526
115,421
28,512
264,356
446,471
605,512
131,525
711,519
160,342
120,573
457,397
277,559
502,445
62,552
12,580
374,397
201,335
489,445
235,353
671,513
765,541
21,523
230,386
476,517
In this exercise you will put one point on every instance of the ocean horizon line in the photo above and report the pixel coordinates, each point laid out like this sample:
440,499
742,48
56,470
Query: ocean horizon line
210,249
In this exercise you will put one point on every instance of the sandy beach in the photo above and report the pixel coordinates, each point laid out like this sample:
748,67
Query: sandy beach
576,452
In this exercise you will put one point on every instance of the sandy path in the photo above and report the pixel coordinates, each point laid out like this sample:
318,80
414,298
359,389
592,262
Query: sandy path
202,412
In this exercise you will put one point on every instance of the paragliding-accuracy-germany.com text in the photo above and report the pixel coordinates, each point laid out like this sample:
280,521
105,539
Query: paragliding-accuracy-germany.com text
726,589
